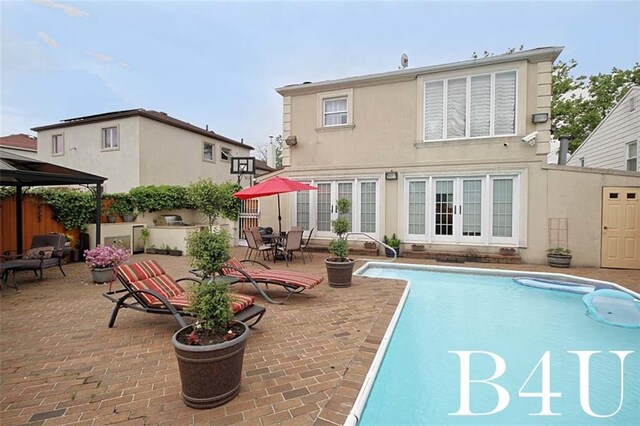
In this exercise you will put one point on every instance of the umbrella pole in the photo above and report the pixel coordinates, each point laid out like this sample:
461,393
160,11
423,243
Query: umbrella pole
279,217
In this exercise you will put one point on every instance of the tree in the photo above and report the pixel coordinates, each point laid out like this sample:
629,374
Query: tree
262,150
579,104
215,200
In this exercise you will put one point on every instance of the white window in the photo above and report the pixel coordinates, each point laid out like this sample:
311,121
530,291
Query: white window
110,138
582,162
632,156
225,154
317,209
475,209
208,152
469,107
57,145
335,111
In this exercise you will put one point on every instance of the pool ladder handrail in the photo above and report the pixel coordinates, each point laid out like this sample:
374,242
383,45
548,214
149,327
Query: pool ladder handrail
395,253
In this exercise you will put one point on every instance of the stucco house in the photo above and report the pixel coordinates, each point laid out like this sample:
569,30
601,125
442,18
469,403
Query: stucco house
451,156
139,147
21,144
614,143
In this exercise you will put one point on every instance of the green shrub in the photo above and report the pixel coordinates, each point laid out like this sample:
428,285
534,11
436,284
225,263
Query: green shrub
208,250
71,207
153,198
209,301
339,247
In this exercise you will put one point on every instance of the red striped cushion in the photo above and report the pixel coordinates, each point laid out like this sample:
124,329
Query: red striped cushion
164,285
234,263
140,270
239,302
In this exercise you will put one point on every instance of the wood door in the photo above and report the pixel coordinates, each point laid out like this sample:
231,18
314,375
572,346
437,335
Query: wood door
620,228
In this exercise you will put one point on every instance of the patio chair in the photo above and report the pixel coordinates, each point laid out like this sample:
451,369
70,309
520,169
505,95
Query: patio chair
292,281
292,244
46,251
254,246
305,245
153,291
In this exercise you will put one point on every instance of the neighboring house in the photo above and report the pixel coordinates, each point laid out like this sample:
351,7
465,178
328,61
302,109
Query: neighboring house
20,144
262,168
614,143
450,156
139,147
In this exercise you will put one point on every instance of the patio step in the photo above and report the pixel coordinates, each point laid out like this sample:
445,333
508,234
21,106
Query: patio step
460,257
360,251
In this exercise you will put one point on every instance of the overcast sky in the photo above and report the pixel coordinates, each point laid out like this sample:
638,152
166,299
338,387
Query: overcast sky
218,63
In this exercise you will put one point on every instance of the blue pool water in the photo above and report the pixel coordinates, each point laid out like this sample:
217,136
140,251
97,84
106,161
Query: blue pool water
419,380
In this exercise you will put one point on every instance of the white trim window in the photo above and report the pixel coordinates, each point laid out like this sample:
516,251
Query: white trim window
470,107
208,152
317,209
335,111
57,145
632,156
480,209
110,138
225,154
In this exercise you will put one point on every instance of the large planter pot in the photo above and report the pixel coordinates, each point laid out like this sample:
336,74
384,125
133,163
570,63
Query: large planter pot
339,273
128,217
111,218
210,375
559,260
103,275
389,253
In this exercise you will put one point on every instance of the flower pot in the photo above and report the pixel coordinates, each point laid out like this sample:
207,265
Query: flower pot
507,251
111,218
389,253
339,273
128,217
103,275
152,250
417,247
559,260
370,245
175,252
211,374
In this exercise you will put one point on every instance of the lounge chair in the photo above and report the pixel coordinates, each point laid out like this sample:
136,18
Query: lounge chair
153,291
292,281
46,252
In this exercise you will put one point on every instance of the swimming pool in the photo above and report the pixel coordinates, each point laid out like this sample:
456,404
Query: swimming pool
540,336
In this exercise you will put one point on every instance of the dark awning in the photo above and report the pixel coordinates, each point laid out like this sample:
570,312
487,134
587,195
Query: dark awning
18,170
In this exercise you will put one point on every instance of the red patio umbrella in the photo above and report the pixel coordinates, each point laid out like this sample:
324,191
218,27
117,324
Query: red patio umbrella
276,185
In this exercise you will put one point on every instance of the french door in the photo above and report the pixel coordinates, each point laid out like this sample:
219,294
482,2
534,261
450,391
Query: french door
327,204
457,212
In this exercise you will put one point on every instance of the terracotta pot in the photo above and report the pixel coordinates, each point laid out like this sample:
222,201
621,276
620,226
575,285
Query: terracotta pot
103,275
339,273
210,375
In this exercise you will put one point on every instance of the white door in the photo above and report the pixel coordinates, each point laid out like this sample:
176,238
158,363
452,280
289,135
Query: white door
457,214
327,205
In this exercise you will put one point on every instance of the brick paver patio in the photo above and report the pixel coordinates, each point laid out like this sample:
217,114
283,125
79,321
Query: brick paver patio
304,363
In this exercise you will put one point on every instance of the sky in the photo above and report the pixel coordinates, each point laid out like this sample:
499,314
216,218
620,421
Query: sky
218,63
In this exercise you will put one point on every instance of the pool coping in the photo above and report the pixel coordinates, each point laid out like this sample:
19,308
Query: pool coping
365,388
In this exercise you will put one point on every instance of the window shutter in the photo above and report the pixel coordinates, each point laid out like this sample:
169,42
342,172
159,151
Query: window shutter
433,110
480,105
456,108
505,103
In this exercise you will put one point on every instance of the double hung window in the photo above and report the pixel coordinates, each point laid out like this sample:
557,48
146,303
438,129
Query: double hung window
469,107
57,145
335,111
208,152
110,138
632,156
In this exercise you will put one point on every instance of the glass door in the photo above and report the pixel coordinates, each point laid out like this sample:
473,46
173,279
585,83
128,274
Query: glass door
457,213
327,205
443,210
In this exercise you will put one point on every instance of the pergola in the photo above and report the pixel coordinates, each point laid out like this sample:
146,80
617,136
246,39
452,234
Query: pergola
20,171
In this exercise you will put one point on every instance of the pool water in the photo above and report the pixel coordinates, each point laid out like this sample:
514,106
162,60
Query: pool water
419,379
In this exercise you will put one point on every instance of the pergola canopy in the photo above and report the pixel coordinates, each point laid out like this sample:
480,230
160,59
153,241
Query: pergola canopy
18,171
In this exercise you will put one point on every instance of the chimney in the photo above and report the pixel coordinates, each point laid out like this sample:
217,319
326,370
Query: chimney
206,127
564,149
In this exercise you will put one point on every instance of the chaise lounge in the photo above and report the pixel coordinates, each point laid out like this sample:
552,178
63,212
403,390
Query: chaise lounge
46,252
152,290
292,281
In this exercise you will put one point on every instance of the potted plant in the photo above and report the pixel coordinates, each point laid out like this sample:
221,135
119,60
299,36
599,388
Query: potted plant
102,261
370,245
144,236
175,252
124,206
211,351
164,249
339,266
393,242
110,213
152,249
559,257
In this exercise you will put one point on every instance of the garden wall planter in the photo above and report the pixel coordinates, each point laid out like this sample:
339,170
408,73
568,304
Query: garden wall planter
210,374
103,275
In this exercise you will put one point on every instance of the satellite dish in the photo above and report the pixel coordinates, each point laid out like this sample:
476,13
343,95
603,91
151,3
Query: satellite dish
404,61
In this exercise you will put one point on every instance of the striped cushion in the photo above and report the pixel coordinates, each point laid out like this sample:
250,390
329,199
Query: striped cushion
281,277
234,263
239,302
140,270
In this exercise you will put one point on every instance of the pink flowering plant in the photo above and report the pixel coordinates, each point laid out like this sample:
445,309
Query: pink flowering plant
106,256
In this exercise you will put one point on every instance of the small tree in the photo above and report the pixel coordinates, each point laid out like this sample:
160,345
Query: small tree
339,247
215,200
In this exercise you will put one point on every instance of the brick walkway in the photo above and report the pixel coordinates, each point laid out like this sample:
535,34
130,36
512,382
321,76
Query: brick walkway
304,363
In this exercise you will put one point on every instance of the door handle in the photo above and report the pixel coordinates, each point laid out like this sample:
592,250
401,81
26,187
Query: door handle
606,227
